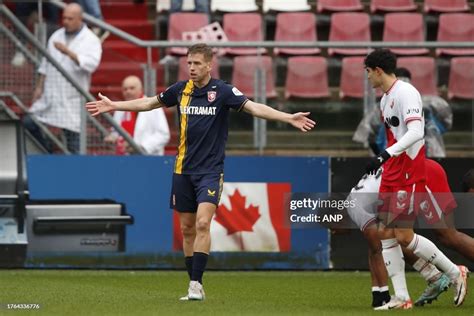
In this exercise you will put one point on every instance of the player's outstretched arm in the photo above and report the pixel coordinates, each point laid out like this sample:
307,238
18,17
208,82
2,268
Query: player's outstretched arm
105,105
298,120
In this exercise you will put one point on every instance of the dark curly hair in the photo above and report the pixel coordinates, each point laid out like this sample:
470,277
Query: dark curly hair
382,58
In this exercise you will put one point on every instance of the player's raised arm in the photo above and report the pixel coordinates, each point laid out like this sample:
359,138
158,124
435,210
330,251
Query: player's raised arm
299,120
105,105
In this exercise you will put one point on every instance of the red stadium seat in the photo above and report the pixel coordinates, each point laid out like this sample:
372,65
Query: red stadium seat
461,78
405,27
339,5
392,6
349,27
244,73
456,27
446,6
423,73
352,77
307,77
184,22
300,27
242,27
183,68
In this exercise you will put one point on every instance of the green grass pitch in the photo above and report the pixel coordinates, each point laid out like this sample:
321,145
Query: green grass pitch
88,292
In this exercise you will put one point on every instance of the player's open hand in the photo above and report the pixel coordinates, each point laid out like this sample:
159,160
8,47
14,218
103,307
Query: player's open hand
103,105
302,122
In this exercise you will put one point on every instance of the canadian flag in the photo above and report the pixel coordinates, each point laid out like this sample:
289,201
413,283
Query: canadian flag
250,217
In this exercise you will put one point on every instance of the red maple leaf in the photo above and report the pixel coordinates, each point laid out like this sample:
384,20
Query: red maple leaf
238,218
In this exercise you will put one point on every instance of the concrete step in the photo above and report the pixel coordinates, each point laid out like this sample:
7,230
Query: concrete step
331,140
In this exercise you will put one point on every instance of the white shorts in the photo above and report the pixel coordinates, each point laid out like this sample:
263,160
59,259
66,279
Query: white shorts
365,200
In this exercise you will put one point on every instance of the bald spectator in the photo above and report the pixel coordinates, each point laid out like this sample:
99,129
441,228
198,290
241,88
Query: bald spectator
149,129
55,101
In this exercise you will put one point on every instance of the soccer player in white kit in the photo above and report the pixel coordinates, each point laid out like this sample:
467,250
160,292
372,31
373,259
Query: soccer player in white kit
403,176
439,205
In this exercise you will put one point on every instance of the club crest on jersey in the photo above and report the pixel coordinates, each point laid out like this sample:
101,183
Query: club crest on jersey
425,208
211,96
401,197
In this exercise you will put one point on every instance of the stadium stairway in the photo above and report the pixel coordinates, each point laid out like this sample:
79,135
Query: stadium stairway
121,58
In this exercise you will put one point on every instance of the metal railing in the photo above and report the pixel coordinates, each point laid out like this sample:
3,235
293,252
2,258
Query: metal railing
259,128
42,127
30,38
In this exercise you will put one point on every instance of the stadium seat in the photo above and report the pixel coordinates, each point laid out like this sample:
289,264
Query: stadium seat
285,5
244,73
352,77
423,73
234,6
445,6
184,22
461,78
183,68
339,5
165,5
299,26
455,27
307,77
349,27
405,27
243,27
392,6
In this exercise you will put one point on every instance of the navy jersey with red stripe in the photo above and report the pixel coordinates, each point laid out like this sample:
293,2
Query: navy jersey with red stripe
203,123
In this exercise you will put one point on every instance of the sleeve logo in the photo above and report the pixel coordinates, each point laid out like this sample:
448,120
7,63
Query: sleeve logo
236,91
413,111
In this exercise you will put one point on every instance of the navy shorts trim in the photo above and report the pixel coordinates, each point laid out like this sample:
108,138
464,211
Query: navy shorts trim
189,190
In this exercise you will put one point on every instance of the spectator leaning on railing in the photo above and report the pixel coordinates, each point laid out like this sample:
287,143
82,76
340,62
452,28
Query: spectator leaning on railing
55,101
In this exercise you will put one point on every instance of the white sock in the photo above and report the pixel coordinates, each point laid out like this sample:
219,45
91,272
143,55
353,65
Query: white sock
424,248
375,289
428,271
393,258
384,288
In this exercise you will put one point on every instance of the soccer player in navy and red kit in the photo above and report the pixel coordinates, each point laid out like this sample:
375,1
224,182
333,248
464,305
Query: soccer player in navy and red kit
203,106
404,180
